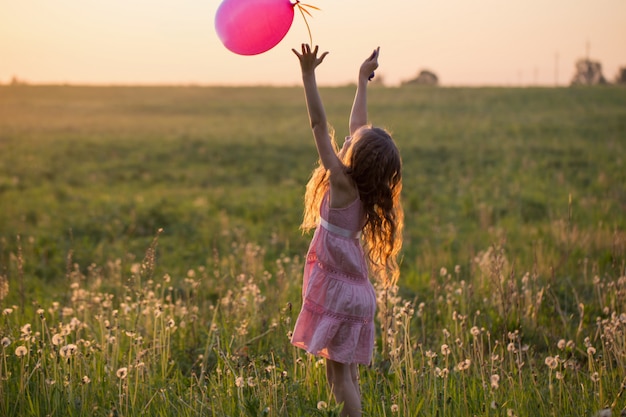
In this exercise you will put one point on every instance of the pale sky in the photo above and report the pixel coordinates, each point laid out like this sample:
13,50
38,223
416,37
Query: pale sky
465,42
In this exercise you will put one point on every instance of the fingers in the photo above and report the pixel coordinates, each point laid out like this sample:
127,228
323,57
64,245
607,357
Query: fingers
306,52
374,55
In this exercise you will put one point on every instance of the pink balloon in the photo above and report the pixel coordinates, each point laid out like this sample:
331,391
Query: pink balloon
250,27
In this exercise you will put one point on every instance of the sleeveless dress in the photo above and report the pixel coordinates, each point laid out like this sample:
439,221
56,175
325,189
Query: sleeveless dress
339,302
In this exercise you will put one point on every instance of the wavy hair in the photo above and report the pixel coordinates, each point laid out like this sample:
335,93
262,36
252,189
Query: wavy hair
374,164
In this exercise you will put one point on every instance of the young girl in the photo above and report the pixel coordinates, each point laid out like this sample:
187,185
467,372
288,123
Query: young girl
353,196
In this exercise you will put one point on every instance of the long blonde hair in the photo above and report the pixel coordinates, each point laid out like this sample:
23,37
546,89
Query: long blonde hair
374,164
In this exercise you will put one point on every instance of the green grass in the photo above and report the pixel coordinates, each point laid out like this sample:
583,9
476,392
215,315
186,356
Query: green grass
514,252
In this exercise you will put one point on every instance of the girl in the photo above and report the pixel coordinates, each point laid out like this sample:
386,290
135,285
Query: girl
352,196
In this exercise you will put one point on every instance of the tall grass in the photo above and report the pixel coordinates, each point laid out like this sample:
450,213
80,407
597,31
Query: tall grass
216,342
513,290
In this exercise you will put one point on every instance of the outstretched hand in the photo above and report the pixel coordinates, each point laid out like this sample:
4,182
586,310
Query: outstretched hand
370,65
309,59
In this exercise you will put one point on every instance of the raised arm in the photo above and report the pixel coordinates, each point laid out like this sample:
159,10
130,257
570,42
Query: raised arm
317,115
358,115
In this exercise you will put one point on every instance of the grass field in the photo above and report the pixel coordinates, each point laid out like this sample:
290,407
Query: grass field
512,298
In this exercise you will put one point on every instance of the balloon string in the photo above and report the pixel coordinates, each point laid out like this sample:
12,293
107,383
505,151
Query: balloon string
303,11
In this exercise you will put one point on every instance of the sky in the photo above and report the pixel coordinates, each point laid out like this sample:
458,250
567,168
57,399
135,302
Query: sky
464,42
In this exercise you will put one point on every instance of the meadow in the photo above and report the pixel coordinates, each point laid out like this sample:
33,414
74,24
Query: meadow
150,256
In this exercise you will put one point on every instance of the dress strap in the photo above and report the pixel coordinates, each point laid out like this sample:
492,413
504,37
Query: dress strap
339,230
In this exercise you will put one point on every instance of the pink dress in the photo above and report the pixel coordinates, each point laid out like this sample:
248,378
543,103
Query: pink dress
339,302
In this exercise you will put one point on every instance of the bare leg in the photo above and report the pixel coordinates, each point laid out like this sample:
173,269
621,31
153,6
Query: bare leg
345,389
354,371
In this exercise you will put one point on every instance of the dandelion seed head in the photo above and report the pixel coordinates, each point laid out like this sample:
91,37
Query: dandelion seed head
122,373
68,351
26,330
395,408
445,350
591,351
495,381
561,344
21,351
321,405
551,362
239,382
5,342
57,339
464,365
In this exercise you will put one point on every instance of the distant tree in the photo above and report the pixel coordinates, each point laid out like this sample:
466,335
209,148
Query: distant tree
620,78
17,81
425,77
588,72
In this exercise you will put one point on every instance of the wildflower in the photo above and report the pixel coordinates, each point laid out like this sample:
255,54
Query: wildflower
457,269
321,405
122,373
475,331
239,382
445,350
68,351
7,311
511,347
551,362
591,351
40,312
5,342
57,339
595,377
395,408
464,365
26,330
85,380
21,351
443,271
495,381
251,382
441,373
559,375
74,323
561,344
